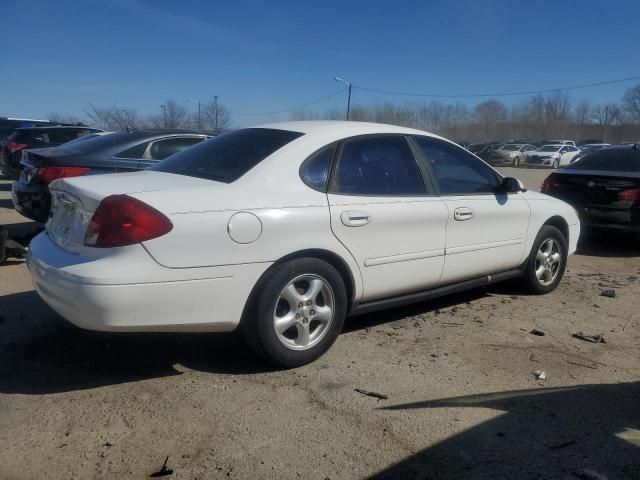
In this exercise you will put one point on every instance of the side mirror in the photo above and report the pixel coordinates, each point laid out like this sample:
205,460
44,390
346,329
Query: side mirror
512,185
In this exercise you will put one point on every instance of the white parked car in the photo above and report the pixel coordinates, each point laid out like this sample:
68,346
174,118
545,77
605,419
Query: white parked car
553,156
285,229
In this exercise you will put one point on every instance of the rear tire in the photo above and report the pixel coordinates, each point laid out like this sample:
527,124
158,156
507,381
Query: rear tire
547,261
297,313
516,162
556,163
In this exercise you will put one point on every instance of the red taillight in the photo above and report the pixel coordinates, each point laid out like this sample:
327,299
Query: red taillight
548,185
49,174
13,146
632,195
122,220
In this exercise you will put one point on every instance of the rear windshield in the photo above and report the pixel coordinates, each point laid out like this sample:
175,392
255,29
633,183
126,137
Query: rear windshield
549,148
622,160
229,156
511,148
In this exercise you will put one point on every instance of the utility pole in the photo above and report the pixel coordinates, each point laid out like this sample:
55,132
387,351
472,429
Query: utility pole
348,84
606,120
164,114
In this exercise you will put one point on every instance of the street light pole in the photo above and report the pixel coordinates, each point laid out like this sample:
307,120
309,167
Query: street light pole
348,84
199,114
164,114
215,114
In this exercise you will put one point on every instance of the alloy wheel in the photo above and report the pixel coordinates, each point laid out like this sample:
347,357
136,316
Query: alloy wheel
304,312
548,261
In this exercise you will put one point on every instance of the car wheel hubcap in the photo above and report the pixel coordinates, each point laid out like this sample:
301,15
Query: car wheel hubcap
304,312
548,261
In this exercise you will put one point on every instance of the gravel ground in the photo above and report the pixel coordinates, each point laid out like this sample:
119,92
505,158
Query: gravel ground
462,400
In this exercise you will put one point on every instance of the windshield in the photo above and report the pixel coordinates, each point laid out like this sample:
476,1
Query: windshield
549,148
511,148
618,160
229,156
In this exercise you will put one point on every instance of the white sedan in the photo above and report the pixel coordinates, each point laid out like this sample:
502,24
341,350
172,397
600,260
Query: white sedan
285,229
553,156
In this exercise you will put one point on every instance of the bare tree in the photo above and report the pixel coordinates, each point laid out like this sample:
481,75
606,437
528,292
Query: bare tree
58,118
582,112
217,117
113,118
489,115
631,103
171,115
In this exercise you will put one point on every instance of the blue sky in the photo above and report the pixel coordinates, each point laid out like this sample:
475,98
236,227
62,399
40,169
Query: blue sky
271,55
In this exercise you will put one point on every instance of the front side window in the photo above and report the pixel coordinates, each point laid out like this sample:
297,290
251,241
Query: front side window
227,157
456,171
315,170
383,166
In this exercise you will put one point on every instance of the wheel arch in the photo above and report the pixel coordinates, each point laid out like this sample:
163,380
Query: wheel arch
561,224
332,258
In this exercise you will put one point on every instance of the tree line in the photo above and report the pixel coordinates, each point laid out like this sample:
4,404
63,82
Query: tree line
539,117
552,116
211,116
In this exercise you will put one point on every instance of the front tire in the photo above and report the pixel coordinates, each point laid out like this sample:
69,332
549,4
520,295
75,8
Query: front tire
297,313
516,162
556,163
547,261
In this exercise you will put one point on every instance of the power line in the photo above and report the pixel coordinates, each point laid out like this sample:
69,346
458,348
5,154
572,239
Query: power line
298,107
503,94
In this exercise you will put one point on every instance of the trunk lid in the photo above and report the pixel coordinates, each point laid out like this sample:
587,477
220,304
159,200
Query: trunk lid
74,200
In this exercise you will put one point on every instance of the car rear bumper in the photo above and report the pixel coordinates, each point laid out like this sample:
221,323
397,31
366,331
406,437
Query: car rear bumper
209,299
32,201
610,218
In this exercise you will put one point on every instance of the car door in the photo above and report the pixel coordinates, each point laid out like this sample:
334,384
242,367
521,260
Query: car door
486,229
165,147
569,155
388,216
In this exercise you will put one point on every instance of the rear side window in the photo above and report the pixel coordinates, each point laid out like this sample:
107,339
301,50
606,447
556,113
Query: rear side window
614,160
134,152
63,135
383,166
457,171
227,157
162,149
315,170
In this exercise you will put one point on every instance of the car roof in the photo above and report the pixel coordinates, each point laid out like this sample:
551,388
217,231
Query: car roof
54,127
349,127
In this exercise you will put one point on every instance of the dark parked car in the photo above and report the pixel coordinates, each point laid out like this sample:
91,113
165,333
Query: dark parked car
35,137
603,186
111,153
483,150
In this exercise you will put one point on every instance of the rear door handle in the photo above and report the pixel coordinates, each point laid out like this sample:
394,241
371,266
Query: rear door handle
463,213
352,218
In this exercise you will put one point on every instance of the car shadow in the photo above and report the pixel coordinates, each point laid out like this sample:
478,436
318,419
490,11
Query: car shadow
391,315
584,431
608,243
42,353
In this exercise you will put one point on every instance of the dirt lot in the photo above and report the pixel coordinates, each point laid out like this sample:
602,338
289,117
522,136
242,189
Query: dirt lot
462,399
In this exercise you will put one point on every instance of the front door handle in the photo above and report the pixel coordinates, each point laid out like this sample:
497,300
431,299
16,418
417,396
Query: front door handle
352,218
463,213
